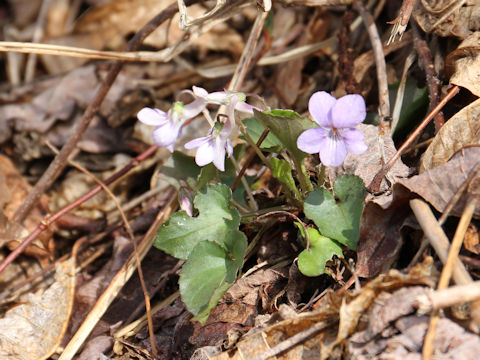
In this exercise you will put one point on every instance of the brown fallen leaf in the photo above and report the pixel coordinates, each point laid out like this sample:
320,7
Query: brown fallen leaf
472,239
14,191
34,330
446,18
439,185
460,130
465,60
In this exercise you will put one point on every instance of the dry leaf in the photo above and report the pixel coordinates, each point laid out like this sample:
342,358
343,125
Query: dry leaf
472,239
466,59
445,18
14,190
460,130
438,186
34,330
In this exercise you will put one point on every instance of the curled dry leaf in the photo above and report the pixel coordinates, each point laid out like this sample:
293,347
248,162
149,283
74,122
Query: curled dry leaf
465,61
439,185
34,330
460,130
448,17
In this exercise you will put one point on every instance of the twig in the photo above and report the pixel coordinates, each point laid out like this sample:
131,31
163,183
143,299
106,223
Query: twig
451,296
369,21
447,272
433,82
37,36
401,91
439,241
377,179
47,220
401,21
60,161
116,284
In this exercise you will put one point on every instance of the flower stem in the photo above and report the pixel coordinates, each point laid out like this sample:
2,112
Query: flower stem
302,176
255,147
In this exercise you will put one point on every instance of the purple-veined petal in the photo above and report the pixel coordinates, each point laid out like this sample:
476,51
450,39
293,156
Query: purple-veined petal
319,106
309,140
348,111
193,109
332,150
167,134
195,143
354,141
205,153
219,154
153,117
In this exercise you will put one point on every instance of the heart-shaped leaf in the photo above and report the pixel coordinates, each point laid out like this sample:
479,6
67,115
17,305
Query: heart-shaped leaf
209,271
339,220
217,217
311,262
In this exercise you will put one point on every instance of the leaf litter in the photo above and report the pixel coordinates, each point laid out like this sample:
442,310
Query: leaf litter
324,317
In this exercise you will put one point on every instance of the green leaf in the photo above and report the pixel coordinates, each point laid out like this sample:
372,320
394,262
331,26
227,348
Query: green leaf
180,167
209,271
216,218
255,130
287,126
282,170
311,262
207,174
339,220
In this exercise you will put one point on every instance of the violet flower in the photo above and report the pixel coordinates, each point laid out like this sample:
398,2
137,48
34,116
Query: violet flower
168,125
212,148
337,134
223,98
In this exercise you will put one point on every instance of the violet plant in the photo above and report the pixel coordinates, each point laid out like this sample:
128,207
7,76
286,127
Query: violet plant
206,234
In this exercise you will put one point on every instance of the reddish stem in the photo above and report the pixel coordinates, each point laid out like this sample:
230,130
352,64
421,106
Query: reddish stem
49,219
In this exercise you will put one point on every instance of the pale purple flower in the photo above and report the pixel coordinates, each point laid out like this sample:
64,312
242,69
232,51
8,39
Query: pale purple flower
212,148
337,134
223,98
168,125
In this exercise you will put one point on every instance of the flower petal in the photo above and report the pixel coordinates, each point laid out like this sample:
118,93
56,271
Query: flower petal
195,143
219,154
354,141
348,111
309,140
167,134
205,154
153,117
244,107
199,92
193,109
319,107
333,150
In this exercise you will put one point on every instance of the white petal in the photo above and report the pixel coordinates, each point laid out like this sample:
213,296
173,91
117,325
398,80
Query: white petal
219,155
193,109
332,151
200,92
354,141
319,107
167,134
205,154
153,117
349,111
195,143
309,140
